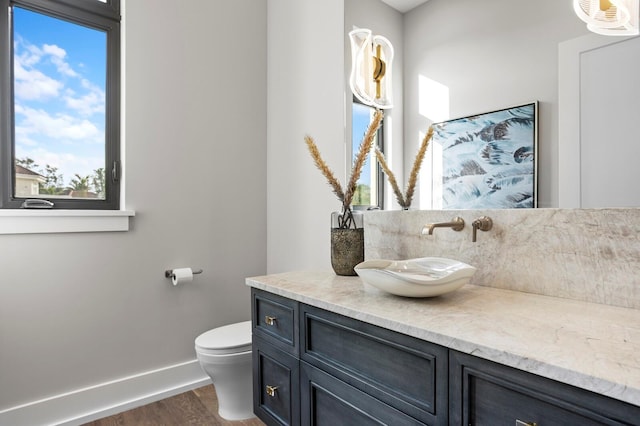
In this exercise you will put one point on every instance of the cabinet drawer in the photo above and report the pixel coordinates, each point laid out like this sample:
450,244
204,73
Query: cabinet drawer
329,401
275,319
486,393
406,373
276,385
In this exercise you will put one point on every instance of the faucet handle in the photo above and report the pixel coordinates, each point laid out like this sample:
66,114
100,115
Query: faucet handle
483,223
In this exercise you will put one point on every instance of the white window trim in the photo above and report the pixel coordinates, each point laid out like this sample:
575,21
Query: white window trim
63,221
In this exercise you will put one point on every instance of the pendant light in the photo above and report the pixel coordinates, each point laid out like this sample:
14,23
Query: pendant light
609,17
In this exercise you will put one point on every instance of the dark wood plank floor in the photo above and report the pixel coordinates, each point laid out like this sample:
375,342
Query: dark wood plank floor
196,407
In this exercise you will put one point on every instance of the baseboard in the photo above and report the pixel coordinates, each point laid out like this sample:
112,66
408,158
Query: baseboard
105,399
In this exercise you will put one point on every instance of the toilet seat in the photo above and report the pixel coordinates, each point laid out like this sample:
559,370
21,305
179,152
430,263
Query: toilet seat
228,339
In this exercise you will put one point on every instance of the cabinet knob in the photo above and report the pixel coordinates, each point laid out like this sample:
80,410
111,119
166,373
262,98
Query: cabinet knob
271,390
270,320
521,423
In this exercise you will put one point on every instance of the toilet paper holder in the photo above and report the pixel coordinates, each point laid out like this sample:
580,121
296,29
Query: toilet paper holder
169,272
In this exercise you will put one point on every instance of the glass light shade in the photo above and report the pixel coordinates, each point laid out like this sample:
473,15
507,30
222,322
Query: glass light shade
619,18
364,52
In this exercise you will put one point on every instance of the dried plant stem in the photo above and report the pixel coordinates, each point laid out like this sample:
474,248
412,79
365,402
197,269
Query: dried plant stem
405,201
413,177
392,178
358,163
324,169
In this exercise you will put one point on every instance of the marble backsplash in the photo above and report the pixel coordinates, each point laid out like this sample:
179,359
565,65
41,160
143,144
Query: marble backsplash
591,255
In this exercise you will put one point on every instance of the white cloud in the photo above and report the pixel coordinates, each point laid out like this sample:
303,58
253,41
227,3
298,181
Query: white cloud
22,133
54,50
57,55
30,56
31,84
60,127
89,103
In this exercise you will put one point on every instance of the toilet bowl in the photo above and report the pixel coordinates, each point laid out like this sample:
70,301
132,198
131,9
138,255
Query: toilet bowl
225,355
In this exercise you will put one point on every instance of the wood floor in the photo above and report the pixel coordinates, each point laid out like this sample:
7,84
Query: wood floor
196,407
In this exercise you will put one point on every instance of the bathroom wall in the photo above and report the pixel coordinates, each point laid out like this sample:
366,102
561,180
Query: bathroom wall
86,310
306,95
591,255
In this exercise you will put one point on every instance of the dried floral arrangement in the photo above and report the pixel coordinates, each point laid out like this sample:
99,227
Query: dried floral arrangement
405,199
346,196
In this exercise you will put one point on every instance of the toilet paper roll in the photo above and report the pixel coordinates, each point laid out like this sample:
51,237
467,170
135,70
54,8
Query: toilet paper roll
181,275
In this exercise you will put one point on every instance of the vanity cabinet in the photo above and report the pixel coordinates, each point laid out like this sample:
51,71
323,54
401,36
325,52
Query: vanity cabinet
339,371
314,367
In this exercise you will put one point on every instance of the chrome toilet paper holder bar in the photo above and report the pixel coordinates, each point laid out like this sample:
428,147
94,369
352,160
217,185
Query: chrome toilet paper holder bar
169,272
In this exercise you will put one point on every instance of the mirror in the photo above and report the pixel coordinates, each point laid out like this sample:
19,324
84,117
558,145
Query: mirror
467,57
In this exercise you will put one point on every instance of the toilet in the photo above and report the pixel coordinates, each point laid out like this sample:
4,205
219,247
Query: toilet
225,355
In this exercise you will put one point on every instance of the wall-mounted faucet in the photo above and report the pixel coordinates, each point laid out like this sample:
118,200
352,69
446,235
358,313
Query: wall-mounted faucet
457,224
483,223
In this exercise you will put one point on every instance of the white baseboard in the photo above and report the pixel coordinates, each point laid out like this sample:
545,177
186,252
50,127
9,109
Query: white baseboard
105,399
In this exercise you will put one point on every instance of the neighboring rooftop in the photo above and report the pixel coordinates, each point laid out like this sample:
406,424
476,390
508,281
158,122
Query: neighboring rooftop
24,171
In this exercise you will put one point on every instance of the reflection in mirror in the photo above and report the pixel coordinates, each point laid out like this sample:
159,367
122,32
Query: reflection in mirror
369,192
459,58
599,105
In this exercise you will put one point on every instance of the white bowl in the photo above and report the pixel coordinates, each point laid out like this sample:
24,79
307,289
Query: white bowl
422,277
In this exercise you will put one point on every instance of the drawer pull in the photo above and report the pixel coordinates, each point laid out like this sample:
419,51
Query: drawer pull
521,423
270,320
271,390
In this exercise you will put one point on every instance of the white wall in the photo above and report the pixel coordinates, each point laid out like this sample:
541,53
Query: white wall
96,307
305,96
491,54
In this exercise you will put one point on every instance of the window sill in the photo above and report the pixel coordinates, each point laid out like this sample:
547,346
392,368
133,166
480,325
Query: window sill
63,221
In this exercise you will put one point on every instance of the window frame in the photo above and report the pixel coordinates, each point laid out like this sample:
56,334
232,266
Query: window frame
379,172
92,14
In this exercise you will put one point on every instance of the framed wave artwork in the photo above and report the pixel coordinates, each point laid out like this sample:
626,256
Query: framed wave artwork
488,161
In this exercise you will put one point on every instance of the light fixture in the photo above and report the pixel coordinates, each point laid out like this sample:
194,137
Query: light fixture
609,17
371,61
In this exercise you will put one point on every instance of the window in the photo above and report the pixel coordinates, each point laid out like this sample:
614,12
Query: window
60,103
370,187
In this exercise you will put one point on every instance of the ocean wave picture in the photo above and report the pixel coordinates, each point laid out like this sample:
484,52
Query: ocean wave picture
489,160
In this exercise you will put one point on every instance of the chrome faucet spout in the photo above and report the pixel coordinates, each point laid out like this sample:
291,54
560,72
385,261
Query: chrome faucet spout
457,224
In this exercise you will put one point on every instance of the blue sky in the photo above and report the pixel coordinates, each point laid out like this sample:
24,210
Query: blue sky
59,86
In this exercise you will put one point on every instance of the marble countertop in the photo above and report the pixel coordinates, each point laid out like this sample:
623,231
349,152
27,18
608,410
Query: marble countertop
587,345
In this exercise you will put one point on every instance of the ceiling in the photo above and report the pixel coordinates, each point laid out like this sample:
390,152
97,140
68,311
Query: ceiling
404,5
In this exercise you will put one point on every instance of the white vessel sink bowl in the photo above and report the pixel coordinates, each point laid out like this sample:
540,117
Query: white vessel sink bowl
422,277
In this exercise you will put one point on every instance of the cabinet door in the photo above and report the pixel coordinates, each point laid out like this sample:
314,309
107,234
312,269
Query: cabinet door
486,393
401,371
327,401
276,385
